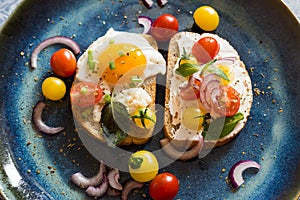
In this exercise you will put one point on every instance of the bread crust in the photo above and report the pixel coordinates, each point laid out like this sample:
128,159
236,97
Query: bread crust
94,129
173,56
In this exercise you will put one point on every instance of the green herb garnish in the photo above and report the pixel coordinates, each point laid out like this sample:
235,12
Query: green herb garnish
107,98
136,79
221,127
135,162
91,62
111,41
112,65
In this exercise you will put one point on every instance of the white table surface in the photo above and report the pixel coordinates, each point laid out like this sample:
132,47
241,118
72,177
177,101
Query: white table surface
7,6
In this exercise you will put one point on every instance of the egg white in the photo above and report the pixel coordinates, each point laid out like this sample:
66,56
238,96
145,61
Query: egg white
156,64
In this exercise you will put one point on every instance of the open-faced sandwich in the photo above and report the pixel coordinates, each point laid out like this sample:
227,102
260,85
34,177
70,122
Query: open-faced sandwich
208,91
113,94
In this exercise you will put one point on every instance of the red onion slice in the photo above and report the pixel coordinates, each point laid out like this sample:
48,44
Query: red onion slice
37,120
50,41
205,93
210,87
84,182
148,3
162,3
187,155
128,186
229,59
113,179
146,22
100,190
236,171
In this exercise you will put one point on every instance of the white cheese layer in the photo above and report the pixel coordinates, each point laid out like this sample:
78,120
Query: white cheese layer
240,81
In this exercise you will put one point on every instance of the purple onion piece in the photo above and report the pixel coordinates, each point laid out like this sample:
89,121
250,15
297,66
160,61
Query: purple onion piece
50,41
148,3
229,59
38,122
146,22
236,172
113,179
128,186
182,155
206,80
84,182
100,190
162,3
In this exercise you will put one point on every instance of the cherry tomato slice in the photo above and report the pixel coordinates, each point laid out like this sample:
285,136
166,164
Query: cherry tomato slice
206,49
164,27
85,94
164,186
226,102
63,63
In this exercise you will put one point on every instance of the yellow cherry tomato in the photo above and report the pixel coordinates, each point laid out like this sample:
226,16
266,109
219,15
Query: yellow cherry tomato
193,118
53,88
143,166
206,18
144,118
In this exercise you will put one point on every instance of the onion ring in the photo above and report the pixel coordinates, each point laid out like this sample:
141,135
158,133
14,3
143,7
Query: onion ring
50,41
113,179
84,182
128,186
37,120
100,190
146,22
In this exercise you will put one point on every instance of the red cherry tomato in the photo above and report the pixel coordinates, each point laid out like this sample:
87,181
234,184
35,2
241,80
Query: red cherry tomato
226,102
164,27
164,186
206,49
85,94
63,63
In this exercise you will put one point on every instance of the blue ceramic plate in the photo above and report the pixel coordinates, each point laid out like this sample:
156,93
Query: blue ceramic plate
267,37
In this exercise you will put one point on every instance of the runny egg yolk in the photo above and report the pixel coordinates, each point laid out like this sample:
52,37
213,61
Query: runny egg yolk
118,60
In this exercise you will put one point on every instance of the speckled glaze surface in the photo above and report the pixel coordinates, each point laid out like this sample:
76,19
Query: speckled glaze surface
267,37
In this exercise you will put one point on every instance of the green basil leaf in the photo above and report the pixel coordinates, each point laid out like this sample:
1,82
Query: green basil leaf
207,65
219,72
221,127
186,69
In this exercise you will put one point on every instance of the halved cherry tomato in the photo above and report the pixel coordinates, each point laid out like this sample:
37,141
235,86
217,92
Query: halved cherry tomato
164,186
85,94
206,49
226,102
63,63
164,27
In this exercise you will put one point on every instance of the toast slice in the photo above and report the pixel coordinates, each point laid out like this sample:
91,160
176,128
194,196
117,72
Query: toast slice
91,124
173,128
